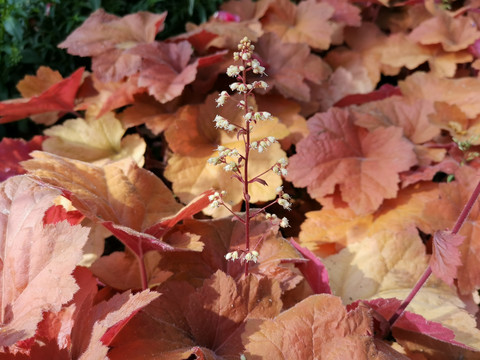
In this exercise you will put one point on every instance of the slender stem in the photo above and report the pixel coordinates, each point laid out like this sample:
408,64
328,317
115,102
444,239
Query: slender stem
263,173
246,195
262,209
458,225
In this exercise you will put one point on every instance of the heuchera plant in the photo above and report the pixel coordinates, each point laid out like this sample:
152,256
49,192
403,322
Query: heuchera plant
370,121
235,160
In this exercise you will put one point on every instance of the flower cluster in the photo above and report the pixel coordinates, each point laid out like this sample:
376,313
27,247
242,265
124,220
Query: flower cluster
247,257
280,167
236,161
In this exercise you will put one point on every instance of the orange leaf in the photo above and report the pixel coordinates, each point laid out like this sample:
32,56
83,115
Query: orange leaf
319,327
58,97
364,164
308,22
460,92
454,33
127,201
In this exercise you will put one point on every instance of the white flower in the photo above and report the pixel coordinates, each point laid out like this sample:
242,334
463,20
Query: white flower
252,256
234,86
221,122
284,203
232,255
233,71
284,223
222,98
257,68
279,189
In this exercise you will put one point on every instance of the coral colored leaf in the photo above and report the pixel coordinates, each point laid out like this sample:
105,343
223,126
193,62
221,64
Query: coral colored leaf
94,139
411,115
308,22
385,91
58,97
454,33
13,151
365,165
33,255
446,255
127,200
107,39
165,68
314,271
319,327
290,67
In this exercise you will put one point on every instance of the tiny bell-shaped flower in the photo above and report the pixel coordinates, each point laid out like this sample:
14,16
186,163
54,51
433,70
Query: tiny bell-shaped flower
222,98
284,223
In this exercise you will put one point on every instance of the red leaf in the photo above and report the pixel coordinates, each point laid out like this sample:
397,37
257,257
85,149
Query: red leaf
314,271
57,213
383,92
59,97
446,255
13,151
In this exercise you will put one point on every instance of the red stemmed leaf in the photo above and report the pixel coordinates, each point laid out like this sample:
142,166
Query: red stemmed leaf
13,151
107,39
33,256
314,271
124,198
446,255
58,97
415,333
365,165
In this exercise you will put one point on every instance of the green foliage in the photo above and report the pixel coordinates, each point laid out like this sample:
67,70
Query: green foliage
31,29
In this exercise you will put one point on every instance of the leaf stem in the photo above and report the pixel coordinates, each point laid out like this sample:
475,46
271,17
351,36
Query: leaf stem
458,225
141,264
